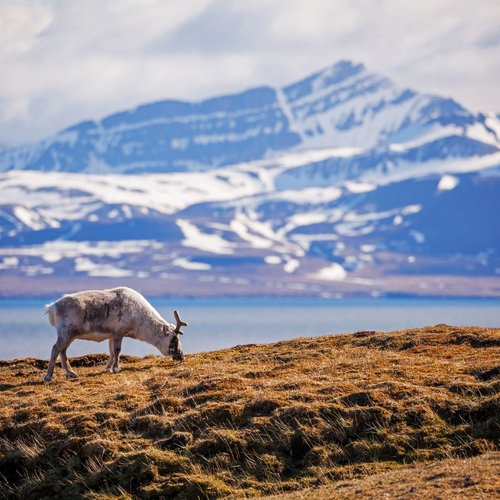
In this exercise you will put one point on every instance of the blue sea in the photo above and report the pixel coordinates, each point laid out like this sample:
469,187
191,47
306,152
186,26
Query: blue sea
219,323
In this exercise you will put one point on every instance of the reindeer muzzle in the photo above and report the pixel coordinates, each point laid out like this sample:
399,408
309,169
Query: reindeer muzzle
178,356
175,350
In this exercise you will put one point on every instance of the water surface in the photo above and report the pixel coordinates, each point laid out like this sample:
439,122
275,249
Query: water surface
215,324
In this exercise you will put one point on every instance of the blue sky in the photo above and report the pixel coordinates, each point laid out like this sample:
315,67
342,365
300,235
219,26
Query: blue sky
64,61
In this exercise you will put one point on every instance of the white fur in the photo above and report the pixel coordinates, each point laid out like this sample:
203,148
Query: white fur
106,314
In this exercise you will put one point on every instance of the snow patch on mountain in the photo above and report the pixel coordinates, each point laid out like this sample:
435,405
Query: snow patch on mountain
91,268
333,272
190,265
415,170
447,183
359,187
195,238
421,135
72,249
28,218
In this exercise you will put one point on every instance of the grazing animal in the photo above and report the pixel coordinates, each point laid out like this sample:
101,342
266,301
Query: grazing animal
110,314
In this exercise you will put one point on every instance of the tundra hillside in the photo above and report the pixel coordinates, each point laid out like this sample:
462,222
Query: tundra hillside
405,412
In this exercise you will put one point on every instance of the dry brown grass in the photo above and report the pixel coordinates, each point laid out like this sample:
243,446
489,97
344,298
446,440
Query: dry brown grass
251,420
476,478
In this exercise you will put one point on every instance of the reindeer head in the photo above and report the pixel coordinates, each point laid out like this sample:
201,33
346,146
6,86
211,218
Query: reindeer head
175,346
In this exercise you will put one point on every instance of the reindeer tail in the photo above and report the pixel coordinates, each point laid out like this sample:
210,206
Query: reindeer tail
50,310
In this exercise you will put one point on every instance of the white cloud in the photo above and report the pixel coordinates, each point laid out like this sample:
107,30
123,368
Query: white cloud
63,62
20,24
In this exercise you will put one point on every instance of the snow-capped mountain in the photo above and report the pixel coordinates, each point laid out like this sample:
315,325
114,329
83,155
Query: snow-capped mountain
341,106
341,183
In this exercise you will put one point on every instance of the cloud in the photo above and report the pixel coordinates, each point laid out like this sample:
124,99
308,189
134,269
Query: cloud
63,62
20,26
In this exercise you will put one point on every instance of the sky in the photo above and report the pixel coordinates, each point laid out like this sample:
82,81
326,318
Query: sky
64,61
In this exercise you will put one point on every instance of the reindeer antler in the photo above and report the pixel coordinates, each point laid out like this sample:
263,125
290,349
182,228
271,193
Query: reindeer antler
180,323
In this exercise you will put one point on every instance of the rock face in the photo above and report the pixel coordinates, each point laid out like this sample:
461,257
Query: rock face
341,182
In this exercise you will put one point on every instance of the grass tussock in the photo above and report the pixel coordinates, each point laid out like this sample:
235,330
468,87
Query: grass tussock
252,420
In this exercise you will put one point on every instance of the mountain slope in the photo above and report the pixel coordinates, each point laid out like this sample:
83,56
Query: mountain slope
339,184
343,105
237,234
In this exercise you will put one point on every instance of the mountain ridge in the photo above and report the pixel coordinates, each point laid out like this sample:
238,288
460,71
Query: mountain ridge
326,109
370,190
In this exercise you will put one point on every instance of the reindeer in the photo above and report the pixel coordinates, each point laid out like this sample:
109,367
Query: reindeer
110,314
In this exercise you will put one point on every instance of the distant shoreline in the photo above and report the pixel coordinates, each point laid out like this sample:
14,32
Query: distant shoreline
278,300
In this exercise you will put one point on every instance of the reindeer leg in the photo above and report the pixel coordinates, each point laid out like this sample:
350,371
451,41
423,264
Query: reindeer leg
65,363
60,344
111,355
117,346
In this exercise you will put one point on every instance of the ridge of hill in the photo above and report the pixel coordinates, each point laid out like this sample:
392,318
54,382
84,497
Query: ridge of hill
256,419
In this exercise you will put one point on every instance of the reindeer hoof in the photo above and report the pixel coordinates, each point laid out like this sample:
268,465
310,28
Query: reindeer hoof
113,369
47,378
71,375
